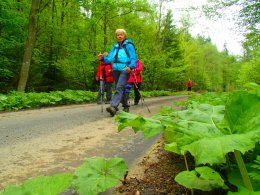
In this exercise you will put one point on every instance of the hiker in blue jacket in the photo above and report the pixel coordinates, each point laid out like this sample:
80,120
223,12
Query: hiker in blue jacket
123,57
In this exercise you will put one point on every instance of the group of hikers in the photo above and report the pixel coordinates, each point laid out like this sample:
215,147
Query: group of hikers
106,79
121,66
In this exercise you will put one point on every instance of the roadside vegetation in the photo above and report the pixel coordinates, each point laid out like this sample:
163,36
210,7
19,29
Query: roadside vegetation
14,100
222,134
48,57
220,131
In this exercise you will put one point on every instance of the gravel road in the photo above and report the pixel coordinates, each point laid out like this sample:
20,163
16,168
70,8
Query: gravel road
54,140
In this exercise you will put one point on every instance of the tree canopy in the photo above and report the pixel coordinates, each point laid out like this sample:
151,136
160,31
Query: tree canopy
53,45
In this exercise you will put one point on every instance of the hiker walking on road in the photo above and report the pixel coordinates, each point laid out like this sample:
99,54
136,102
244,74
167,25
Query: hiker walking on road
123,57
105,76
135,80
189,85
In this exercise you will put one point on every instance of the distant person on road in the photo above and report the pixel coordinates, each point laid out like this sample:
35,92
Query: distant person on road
105,77
189,85
123,57
135,80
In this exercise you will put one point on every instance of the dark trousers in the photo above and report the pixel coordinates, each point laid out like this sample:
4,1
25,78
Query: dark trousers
105,87
137,87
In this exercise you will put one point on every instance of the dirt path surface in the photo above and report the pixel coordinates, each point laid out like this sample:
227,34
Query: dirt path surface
53,140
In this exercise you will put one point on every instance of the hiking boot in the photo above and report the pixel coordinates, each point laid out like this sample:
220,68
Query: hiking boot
126,109
111,110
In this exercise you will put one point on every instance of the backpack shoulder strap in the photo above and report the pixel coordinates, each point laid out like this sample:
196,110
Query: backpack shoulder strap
126,51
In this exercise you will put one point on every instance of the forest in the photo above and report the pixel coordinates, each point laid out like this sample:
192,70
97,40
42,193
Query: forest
51,45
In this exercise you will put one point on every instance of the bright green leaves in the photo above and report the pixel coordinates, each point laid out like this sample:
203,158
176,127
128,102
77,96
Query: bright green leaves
202,178
255,173
235,178
149,127
202,131
243,113
196,131
47,185
208,132
98,174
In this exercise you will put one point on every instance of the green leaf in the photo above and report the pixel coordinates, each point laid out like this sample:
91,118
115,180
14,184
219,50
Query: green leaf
149,126
202,178
47,185
98,174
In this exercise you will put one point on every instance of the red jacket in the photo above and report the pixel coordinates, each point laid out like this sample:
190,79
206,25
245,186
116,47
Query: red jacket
189,83
105,72
135,75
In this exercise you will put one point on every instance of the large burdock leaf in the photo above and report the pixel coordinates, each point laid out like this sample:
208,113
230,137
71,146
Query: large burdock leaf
98,174
48,185
202,178
149,127
210,132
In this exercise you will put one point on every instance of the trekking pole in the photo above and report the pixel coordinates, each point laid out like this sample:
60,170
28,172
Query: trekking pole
142,98
101,91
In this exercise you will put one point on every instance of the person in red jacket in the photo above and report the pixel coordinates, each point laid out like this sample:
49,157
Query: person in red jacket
135,80
105,76
189,85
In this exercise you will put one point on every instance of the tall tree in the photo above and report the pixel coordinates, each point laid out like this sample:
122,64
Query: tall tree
13,18
29,46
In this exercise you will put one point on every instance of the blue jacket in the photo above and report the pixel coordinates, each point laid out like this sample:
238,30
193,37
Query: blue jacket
122,58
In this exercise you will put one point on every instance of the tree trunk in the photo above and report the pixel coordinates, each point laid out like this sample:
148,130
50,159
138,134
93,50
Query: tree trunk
29,45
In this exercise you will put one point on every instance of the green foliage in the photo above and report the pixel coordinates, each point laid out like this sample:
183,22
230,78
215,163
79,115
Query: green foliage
99,174
202,178
206,131
201,128
47,185
234,177
212,98
17,100
149,127
70,35
255,174
13,19
95,175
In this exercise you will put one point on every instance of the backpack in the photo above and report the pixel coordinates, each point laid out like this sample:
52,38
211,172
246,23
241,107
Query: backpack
126,51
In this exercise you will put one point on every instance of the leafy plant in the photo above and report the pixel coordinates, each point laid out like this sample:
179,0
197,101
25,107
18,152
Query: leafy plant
207,132
47,185
18,100
98,174
202,178
255,174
